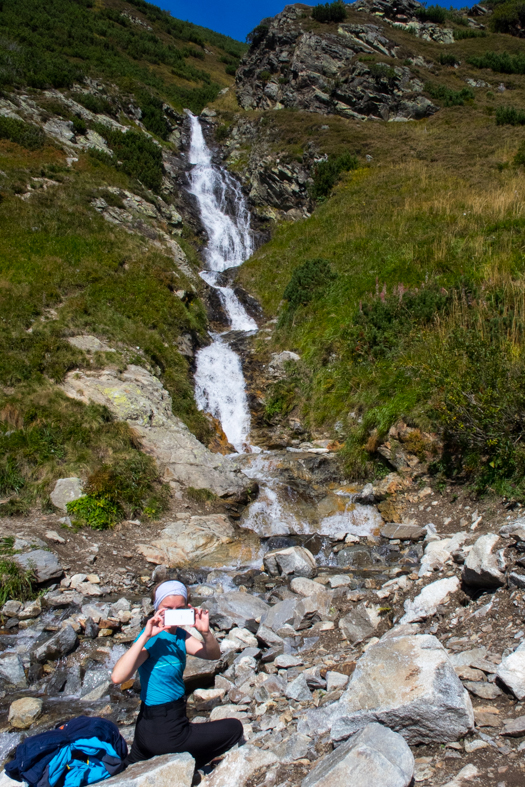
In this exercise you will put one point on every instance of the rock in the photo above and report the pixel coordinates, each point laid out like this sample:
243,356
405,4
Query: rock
238,767
52,535
31,609
11,608
482,689
375,756
483,568
305,587
311,608
298,690
238,639
468,772
199,671
340,581
439,553
45,565
518,580
136,396
425,605
278,363
22,713
206,699
514,728
236,609
189,539
91,629
12,670
95,684
511,672
406,683
66,491
89,344
286,661
335,681
60,644
167,770
359,624
280,614
227,712
298,561
294,748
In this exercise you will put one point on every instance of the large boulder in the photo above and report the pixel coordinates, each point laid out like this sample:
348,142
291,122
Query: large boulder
23,712
511,672
45,565
406,683
485,568
375,756
359,624
139,398
60,644
164,771
12,670
236,609
298,561
425,605
238,767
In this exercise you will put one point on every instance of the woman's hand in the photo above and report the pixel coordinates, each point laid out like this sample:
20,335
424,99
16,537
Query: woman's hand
202,620
155,625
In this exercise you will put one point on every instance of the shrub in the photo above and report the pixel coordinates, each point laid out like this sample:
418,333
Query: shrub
79,126
137,155
434,13
308,280
447,59
326,174
96,104
231,70
459,35
382,71
510,116
329,12
448,97
264,76
259,33
24,134
500,62
98,513
508,17
153,115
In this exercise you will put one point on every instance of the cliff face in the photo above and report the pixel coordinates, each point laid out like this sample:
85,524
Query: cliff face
296,63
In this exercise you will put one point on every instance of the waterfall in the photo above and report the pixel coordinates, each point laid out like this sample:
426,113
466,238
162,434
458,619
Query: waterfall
219,382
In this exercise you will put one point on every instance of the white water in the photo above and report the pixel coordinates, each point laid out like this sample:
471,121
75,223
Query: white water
219,382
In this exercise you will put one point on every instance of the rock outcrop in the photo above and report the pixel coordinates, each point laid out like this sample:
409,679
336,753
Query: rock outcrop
139,398
290,65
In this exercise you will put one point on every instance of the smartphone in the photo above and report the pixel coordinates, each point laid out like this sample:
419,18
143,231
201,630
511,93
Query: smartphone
179,617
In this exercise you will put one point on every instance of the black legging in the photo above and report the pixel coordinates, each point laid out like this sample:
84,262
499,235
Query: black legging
165,729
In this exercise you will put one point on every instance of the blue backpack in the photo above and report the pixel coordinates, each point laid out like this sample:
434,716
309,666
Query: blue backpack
82,751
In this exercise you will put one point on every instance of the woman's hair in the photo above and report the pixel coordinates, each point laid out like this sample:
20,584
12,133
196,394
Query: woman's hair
154,590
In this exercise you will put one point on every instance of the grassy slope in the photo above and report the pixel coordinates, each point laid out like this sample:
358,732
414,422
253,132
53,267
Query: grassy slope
63,269
439,211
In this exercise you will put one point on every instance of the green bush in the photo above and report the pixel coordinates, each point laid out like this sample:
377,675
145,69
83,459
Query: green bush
326,174
264,76
96,104
15,582
79,126
510,116
448,97
153,115
508,17
434,13
137,155
447,59
382,71
500,62
98,513
24,134
259,33
308,281
329,12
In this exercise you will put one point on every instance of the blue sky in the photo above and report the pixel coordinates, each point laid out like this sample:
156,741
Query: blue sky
237,17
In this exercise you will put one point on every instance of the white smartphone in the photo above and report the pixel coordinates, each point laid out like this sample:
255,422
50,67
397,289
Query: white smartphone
179,617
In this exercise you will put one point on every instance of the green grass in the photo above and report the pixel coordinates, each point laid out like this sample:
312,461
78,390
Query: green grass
24,134
510,116
15,582
500,62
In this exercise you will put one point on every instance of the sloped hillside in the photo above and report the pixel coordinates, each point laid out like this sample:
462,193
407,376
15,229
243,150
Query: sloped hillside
96,239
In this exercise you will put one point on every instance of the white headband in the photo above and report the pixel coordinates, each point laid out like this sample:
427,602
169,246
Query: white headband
169,588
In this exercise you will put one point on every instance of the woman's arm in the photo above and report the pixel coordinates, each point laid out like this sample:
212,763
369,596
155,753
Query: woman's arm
137,654
209,649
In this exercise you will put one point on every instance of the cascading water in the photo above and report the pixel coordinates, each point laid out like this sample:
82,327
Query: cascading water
219,381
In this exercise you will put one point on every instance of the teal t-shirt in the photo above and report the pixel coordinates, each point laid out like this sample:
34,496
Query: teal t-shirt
161,674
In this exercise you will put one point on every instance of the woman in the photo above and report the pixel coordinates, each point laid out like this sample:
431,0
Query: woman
159,654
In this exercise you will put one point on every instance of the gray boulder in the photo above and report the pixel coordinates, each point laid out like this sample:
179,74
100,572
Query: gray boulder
164,771
375,756
239,766
314,607
512,672
483,567
236,609
12,670
25,711
66,491
44,564
60,644
280,614
293,748
406,683
425,605
298,689
359,624
298,561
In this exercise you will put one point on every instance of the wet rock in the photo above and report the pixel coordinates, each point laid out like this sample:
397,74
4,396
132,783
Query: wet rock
12,670
136,396
164,771
298,689
376,755
403,532
189,539
236,609
511,672
483,567
45,565
359,624
425,605
91,629
11,608
294,560
406,683
66,491
238,767
358,556
22,713
60,644
95,684
31,609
